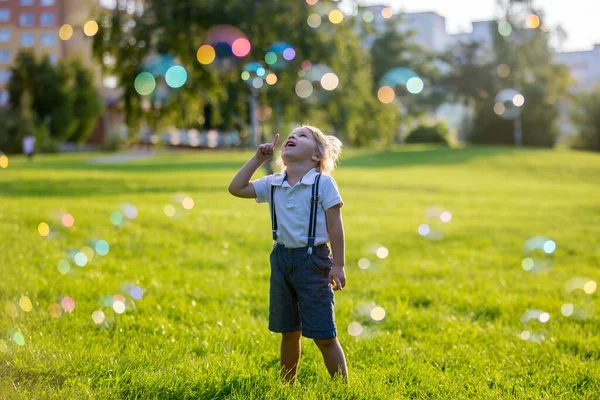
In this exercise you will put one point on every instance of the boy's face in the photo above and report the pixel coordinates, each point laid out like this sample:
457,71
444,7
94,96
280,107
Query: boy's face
300,146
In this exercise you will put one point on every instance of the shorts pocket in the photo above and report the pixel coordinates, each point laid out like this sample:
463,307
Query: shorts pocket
321,260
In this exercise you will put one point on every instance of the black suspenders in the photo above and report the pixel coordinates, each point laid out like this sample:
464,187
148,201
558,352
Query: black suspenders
312,226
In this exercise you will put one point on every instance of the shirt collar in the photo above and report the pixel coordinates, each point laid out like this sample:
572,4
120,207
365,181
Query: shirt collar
307,179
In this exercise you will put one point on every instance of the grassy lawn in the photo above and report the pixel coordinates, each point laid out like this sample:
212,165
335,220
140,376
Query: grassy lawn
453,307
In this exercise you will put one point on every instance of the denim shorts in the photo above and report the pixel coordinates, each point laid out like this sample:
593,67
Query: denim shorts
300,296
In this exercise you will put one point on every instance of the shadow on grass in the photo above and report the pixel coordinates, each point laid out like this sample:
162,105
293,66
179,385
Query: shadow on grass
97,187
418,156
137,166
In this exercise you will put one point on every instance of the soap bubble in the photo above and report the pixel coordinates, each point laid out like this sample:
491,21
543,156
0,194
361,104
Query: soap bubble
316,84
534,325
508,104
399,82
538,254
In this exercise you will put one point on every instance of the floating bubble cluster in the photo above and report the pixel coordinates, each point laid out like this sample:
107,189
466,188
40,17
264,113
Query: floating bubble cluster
397,82
435,220
223,45
255,75
316,83
534,325
538,254
508,104
580,305
279,54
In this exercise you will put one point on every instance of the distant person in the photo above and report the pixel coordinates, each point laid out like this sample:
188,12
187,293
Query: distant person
305,215
29,146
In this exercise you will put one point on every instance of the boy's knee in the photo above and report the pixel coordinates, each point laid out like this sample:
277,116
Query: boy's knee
325,343
289,336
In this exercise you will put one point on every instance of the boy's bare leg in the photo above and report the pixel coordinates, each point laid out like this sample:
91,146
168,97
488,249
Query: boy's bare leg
335,361
290,355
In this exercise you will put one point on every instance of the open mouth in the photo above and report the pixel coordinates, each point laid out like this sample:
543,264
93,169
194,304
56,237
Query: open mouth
290,144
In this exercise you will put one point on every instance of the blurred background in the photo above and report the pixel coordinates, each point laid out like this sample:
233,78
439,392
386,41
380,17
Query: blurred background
101,75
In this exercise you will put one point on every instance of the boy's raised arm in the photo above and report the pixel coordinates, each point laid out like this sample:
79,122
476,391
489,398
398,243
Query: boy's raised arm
240,184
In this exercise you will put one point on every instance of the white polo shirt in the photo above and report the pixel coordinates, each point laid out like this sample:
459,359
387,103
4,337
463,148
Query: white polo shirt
292,206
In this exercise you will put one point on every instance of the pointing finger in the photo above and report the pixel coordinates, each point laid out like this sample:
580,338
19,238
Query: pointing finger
275,140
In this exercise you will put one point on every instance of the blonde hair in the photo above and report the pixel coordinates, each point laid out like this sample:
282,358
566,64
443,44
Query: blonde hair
328,146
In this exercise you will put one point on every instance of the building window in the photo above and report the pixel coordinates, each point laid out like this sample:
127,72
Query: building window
47,39
3,97
4,56
47,19
27,39
47,3
4,35
4,14
26,19
5,75
26,2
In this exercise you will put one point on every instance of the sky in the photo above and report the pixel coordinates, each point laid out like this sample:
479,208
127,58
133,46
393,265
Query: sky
579,18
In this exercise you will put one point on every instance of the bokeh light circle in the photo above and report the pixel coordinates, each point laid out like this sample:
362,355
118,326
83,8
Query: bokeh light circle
25,304
364,263
65,32
43,229
67,220
387,12
68,304
169,210
80,259
240,47
102,247
136,292
368,16
415,85
504,28
119,307
378,313
503,70
355,329
314,20
176,76
18,338
98,317
532,21
330,81
206,54
90,28
144,83
386,94
336,16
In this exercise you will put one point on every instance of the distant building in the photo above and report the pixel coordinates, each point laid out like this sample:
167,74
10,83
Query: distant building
584,66
430,32
36,24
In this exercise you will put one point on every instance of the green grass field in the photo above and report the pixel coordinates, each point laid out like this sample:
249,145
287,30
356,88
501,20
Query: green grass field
453,307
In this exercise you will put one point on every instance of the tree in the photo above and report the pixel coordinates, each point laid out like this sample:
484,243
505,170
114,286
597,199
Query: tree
534,74
63,97
586,118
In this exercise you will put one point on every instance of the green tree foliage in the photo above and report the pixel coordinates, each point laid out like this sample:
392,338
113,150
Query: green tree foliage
437,133
586,118
179,29
63,97
534,74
